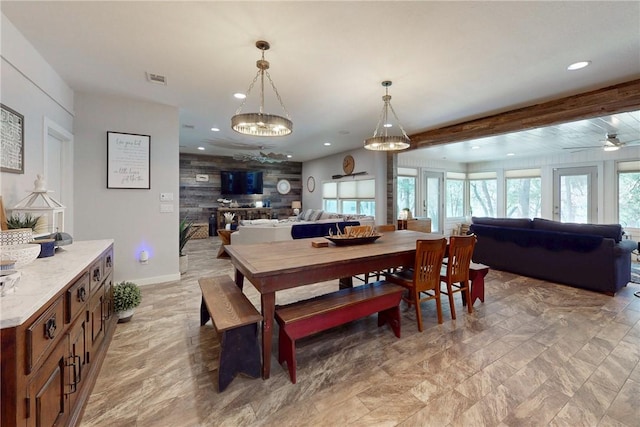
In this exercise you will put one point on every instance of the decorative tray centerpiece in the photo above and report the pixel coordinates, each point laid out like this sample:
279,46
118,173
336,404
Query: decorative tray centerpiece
354,235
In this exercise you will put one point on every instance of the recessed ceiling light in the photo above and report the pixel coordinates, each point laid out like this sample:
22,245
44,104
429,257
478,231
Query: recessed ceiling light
215,130
201,148
511,154
326,144
387,125
289,156
239,95
578,65
475,147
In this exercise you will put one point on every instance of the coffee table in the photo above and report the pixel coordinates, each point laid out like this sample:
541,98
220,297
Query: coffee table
225,239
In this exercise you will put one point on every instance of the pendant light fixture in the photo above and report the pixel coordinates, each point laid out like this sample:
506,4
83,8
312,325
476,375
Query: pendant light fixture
261,124
387,142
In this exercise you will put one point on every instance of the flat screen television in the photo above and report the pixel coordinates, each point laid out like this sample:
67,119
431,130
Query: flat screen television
241,182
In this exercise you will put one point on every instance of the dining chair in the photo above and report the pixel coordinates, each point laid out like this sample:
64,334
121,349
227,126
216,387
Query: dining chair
383,228
456,272
424,278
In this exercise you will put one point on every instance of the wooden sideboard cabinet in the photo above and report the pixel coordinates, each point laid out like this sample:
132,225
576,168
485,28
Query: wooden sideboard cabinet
243,213
417,224
51,356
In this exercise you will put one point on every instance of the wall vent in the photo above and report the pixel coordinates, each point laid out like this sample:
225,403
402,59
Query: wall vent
186,126
157,79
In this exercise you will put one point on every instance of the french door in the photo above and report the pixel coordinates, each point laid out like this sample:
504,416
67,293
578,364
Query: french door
575,194
433,200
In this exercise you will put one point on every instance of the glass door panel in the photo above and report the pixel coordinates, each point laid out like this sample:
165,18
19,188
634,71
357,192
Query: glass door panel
575,195
432,201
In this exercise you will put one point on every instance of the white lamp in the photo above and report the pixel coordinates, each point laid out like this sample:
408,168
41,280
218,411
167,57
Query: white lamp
296,205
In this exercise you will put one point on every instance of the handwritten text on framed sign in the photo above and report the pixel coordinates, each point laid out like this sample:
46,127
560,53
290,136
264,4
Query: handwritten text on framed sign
128,160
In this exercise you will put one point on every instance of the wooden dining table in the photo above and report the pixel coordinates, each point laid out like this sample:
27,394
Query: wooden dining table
276,266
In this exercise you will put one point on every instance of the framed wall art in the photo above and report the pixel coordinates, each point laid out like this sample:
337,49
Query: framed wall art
12,158
128,160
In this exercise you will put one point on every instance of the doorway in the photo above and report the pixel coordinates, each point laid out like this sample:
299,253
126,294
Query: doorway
433,200
575,194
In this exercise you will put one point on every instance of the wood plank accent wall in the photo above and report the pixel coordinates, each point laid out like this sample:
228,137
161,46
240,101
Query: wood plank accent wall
198,200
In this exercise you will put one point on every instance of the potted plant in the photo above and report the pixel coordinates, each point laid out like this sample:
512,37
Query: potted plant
186,233
126,297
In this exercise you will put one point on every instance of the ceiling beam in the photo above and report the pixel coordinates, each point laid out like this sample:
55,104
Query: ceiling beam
620,98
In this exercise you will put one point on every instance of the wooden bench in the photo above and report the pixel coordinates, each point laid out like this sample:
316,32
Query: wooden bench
477,272
235,320
304,318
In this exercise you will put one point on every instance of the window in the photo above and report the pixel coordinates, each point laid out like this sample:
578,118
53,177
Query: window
454,194
350,197
483,195
629,194
523,193
406,189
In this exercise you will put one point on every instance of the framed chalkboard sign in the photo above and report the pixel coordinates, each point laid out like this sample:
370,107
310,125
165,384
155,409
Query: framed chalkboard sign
12,158
128,160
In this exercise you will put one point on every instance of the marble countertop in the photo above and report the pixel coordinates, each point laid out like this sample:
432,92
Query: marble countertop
45,277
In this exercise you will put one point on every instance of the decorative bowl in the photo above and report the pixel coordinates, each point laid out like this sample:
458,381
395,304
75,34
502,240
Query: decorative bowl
348,241
16,236
23,254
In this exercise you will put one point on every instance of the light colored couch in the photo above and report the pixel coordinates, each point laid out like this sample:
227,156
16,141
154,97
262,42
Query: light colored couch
273,230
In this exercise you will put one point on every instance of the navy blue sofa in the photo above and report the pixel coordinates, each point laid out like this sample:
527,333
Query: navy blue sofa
589,256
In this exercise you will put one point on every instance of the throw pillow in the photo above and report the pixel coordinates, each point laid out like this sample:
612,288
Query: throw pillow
306,215
315,215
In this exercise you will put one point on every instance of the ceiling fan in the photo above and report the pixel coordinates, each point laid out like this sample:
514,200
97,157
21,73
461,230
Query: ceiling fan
610,143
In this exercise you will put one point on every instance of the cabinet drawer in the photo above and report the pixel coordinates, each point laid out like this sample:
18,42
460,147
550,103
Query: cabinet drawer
97,274
44,333
108,262
77,297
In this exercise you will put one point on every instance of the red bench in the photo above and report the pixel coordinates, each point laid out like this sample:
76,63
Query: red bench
304,318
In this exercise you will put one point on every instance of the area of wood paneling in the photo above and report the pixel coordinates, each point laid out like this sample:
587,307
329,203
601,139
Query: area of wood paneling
198,199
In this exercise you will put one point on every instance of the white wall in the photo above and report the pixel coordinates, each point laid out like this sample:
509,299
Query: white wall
372,162
131,217
32,88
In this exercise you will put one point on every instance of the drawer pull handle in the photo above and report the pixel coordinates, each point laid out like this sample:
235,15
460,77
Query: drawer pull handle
50,328
82,294
96,275
77,373
108,261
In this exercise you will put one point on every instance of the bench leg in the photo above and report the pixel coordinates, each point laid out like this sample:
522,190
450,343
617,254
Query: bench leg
204,313
391,316
287,353
239,353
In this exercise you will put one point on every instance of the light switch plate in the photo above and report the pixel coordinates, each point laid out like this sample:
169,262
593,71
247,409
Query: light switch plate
166,207
166,197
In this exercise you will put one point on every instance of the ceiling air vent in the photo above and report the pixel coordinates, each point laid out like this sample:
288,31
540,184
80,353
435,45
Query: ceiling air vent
157,79
186,126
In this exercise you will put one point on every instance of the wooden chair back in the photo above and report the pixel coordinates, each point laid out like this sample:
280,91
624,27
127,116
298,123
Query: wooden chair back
385,227
460,253
426,271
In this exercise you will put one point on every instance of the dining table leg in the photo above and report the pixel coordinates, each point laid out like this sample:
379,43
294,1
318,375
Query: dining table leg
239,279
268,313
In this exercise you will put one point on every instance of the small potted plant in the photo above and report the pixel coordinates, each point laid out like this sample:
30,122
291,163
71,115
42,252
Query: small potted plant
126,297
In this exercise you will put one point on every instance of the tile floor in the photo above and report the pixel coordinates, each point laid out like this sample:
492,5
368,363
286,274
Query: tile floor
535,353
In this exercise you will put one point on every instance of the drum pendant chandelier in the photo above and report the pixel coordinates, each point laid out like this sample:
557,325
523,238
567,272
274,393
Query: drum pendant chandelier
261,124
387,142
